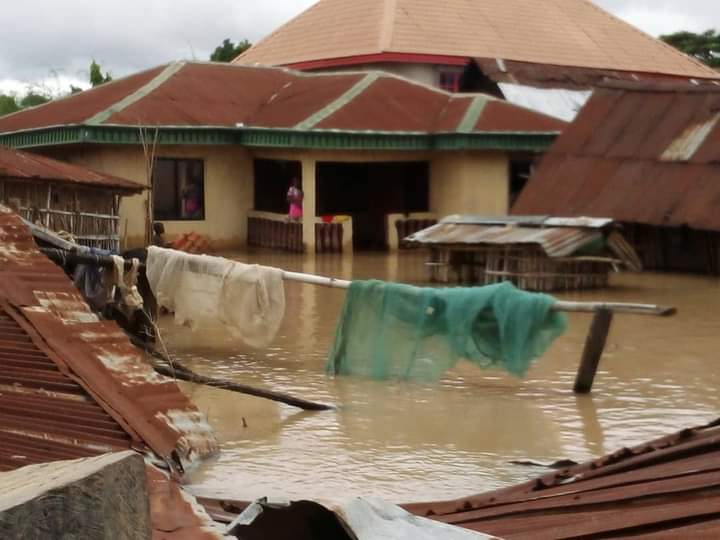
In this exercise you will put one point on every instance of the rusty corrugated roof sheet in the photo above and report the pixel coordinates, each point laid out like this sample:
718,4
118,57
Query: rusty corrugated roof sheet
76,375
637,154
555,241
667,488
15,164
199,95
557,32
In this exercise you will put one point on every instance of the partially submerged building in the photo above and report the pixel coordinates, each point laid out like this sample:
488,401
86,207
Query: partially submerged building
547,55
647,157
538,253
65,197
219,144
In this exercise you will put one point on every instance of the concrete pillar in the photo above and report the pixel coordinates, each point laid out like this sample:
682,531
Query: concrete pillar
309,203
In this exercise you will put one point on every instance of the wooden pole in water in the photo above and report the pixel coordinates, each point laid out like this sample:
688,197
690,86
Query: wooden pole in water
594,346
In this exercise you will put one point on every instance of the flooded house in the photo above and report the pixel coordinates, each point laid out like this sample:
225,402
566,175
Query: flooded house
544,55
218,146
645,156
64,197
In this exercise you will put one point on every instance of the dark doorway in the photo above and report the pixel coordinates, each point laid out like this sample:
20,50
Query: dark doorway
521,168
272,180
369,192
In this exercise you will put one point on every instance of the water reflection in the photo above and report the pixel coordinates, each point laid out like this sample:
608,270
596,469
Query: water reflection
408,442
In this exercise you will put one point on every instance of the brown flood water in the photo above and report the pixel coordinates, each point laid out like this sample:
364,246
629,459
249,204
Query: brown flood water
410,442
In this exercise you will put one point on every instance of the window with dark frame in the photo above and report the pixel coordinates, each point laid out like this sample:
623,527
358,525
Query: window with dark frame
450,80
179,190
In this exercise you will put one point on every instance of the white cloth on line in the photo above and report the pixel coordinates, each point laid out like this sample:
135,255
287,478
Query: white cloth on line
204,292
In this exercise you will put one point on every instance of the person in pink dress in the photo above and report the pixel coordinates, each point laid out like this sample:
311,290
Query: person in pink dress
295,199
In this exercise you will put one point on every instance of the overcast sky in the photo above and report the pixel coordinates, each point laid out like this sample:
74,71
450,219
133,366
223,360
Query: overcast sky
51,42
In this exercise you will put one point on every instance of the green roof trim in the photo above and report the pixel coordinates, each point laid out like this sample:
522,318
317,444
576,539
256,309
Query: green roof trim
280,138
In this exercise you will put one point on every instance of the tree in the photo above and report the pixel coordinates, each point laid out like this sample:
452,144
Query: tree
8,104
33,99
96,76
228,51
705,46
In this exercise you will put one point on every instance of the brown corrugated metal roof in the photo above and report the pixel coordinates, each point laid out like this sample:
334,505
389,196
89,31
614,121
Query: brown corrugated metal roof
645,155
557,32
77,108
232,96
15,164
67,355
668,488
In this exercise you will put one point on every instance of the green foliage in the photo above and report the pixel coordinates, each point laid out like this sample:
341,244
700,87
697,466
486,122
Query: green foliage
33,99
96,76
8,104
705,46
228,51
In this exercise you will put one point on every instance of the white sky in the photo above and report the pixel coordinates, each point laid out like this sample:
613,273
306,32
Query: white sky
50,43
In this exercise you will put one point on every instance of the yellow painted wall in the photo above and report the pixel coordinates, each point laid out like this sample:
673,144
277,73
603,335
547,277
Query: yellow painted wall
460,182
228,189
469,183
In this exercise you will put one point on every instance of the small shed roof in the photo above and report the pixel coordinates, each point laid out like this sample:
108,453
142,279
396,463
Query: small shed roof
555,241
640,154
18,165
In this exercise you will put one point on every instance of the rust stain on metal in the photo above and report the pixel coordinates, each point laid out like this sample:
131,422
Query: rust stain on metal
643,155
60,356
667,488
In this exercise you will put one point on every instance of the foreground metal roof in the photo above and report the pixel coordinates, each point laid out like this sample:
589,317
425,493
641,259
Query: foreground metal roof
644,155
72,385
667,488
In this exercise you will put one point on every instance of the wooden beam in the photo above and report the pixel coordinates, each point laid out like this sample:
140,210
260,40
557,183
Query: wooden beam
594,346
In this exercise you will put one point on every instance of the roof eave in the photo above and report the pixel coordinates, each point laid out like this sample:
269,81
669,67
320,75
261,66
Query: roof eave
282,138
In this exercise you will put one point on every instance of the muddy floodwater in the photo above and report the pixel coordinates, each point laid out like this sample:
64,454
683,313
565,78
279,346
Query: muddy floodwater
410,442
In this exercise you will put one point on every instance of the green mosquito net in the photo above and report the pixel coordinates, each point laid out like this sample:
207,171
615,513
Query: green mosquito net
391,330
